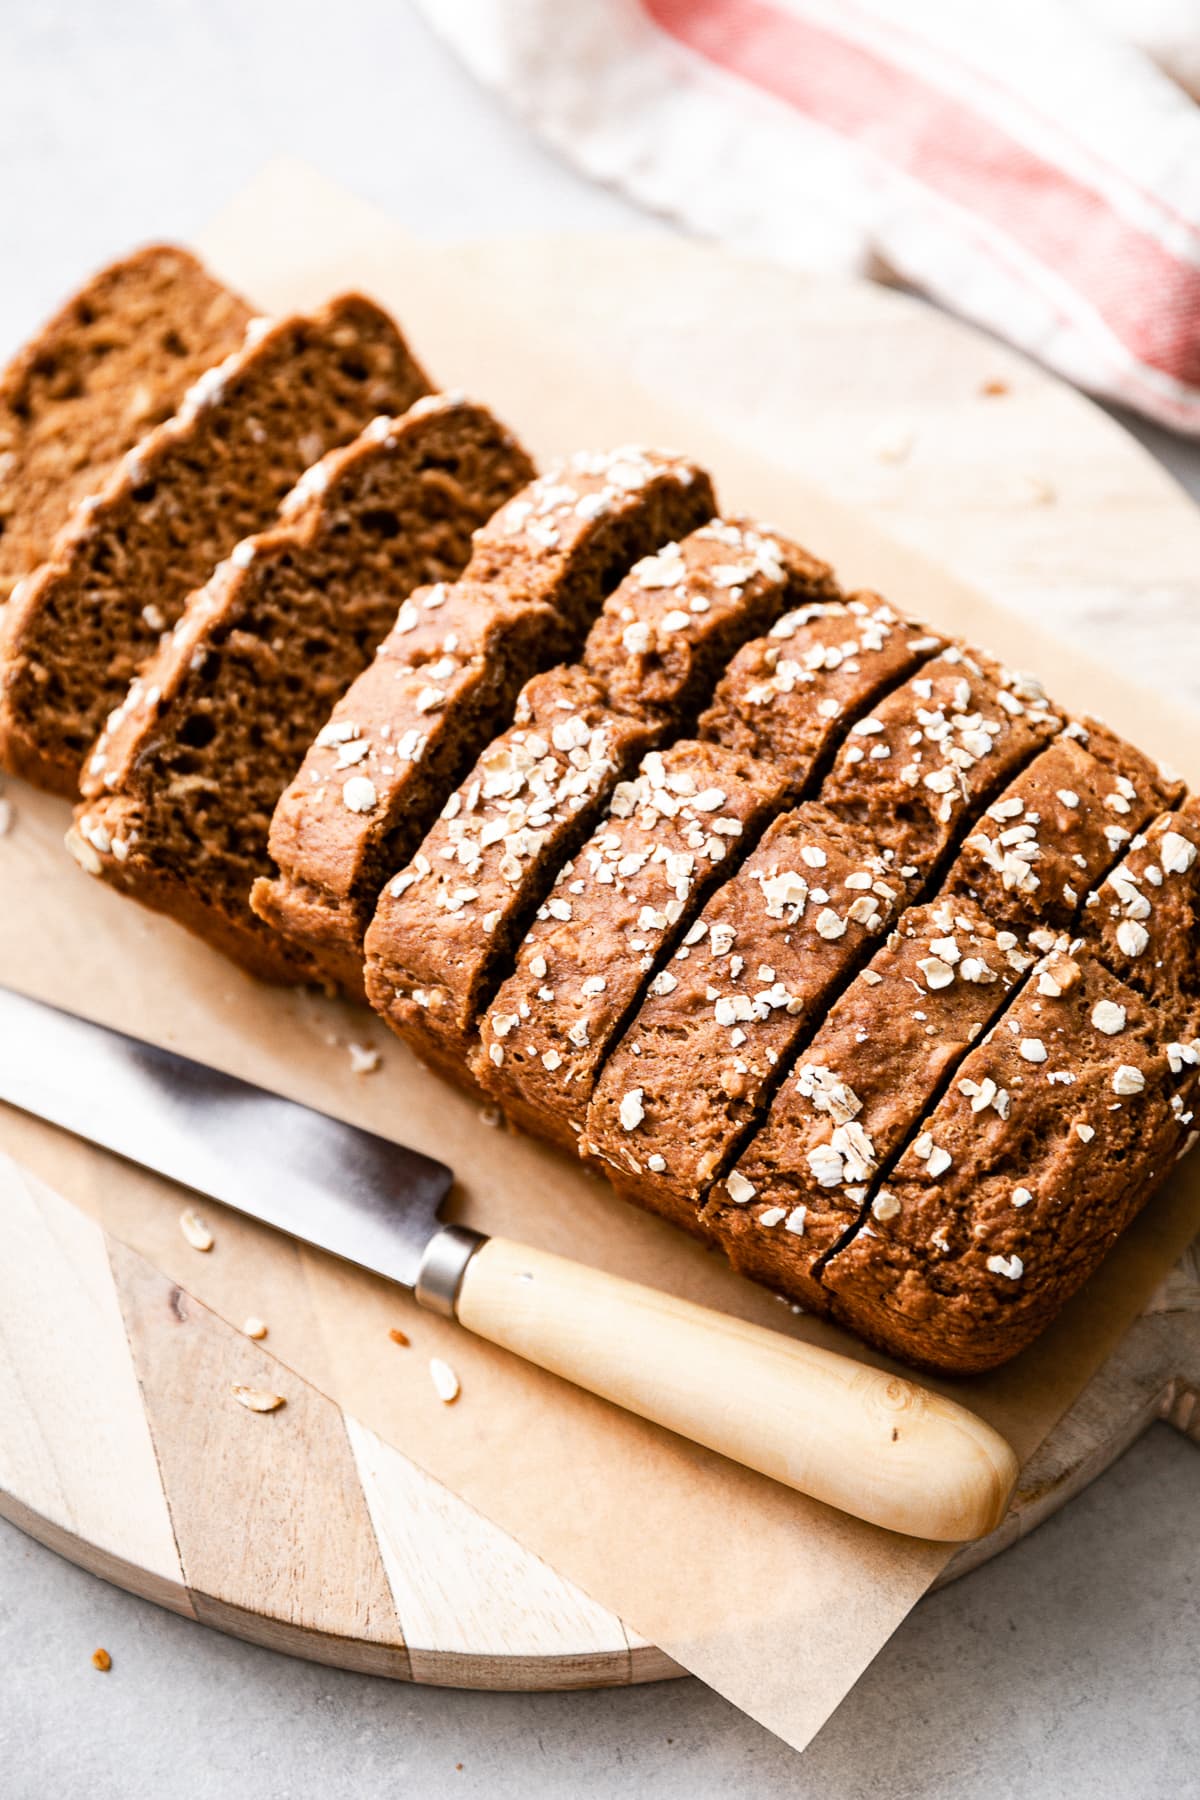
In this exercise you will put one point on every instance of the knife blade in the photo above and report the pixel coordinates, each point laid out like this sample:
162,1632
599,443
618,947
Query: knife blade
856,1437
330,1184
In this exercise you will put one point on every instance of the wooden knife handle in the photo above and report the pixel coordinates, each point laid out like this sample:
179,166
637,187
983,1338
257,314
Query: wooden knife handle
870,1443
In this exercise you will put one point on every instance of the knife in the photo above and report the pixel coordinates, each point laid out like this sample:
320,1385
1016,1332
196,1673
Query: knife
863,1440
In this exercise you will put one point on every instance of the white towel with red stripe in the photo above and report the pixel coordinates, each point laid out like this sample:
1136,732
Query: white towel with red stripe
1034,166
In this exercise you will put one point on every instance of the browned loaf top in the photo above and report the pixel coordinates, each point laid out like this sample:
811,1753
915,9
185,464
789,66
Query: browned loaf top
668,631
877,1062
684,611
705,1050
444,685
182,786
448,923
1053,833
616,909
1049,1139
916,767
788,697
572,537
1145,919
81,628
111,364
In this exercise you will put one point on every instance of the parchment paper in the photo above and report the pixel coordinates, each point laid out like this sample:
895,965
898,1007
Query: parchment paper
776,1601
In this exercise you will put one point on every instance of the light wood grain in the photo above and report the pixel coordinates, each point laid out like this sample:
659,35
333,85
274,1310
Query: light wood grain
859,1438
267,1509
478,1610
77,1465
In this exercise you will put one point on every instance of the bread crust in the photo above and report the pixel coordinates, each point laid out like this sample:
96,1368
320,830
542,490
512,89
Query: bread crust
1058,827
672,832
698,1064
788,698
180,789
915,769
115,360
121,571
804,1180
1145,918
999,1213
538,574
446,925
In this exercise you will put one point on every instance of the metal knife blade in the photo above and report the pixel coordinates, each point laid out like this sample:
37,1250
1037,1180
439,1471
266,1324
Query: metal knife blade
334,1186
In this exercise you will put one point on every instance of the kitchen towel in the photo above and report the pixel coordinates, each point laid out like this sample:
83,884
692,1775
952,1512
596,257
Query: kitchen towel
1035,166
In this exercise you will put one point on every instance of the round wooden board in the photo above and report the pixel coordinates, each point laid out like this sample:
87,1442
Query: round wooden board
941,436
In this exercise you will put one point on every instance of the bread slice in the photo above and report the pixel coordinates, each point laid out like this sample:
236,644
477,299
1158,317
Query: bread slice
181,788
700,1061
1057,829
111,364
916,769
681,825
997,1213
447,678
78,630
803,1181
788,698
442,681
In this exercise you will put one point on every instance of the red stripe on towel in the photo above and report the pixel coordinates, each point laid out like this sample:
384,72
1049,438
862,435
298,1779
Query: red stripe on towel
1148,298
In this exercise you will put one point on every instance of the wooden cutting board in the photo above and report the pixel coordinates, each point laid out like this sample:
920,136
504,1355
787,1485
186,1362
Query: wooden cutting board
356,1557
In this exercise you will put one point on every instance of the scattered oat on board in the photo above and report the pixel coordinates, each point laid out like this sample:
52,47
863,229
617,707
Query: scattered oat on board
444,1380
195,1230
364,1059
257,1399
255,1327
893,443
1034,490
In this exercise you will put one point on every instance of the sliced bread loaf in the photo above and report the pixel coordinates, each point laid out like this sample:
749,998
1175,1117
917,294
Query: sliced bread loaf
181,788
77,631
537,792
111,364
446,680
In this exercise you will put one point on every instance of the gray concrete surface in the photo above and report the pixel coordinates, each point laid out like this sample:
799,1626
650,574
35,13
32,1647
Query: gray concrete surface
1066,1669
